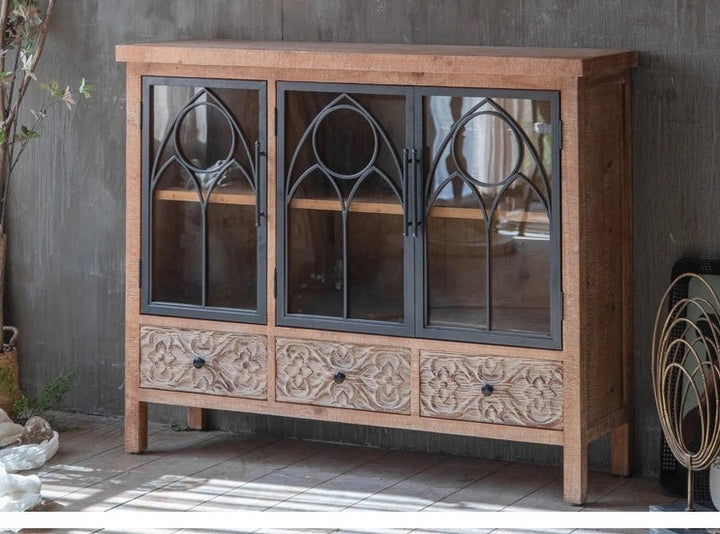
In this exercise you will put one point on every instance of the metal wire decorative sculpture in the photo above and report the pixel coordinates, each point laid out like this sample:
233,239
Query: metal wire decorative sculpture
686,376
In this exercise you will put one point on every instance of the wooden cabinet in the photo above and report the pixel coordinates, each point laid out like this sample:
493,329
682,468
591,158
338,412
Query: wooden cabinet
426,237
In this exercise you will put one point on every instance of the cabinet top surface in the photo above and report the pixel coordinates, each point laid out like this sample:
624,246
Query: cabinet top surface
571,62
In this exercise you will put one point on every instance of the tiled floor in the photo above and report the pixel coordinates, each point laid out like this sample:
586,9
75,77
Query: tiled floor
221,472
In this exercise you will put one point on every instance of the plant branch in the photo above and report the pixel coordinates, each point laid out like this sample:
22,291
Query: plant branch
4,6
42,37
39,117
9,123
10,133
11,91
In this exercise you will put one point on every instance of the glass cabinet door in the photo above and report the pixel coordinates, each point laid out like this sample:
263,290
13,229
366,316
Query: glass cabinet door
204,224
345,256
488,263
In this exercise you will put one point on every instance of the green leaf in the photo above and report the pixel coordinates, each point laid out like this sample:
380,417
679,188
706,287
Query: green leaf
47,399
85,88
53,88
179,426
3,137
26,134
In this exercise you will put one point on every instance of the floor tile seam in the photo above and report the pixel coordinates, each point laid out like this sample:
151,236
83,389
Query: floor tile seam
383,455
470,484
100,453
250,481
57,467
83,434
195,473
456,491
622,484
143,464
533,492
395,484
88,486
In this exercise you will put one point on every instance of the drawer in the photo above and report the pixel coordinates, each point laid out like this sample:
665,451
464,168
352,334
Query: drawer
491,389
342,375
203,361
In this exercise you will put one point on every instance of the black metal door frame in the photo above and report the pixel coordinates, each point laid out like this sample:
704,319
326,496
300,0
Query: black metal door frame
283,317
529,339
147,305
415,246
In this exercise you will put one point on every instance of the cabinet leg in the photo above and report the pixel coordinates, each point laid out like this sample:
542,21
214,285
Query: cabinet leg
575,474
136,426
620,451
196,418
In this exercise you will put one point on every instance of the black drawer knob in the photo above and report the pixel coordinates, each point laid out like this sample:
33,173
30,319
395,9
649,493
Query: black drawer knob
198,362
339,377
487,390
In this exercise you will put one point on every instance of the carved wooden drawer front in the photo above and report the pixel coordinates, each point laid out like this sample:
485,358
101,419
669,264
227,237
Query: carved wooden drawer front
491,389
200,361
361,377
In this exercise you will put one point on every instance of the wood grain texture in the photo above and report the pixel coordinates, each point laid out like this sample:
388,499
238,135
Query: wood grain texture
574,438
136,418
136,426
448,59
620,445
233,364
524,392
355,417
196,418
376,378
604,279
350,337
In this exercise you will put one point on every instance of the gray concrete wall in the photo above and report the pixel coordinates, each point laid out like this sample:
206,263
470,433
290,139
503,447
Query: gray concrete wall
67,222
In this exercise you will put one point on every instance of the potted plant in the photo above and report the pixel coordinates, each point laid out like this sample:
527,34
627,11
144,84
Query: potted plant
24,26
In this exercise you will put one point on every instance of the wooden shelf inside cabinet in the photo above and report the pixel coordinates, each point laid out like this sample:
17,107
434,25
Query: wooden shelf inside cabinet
357,206
518,216
221,195
390,208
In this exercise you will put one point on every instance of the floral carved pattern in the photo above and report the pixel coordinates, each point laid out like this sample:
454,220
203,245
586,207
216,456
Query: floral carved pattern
374,378
232,364
521,392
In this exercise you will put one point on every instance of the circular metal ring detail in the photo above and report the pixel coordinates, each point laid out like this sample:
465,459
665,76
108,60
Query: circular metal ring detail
518,143
321,163
178,145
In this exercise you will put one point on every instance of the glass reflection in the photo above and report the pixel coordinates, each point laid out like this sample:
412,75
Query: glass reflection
344,201
203,184
487,201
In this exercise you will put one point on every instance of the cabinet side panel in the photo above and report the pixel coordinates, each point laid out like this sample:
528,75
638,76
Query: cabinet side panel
605,239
